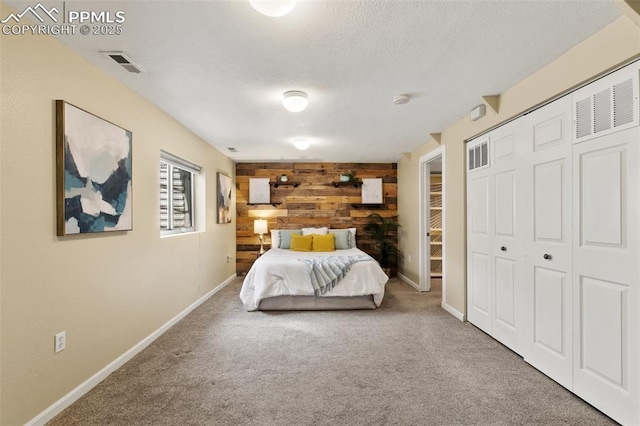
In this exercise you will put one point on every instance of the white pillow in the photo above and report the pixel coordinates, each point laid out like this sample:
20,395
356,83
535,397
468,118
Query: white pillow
275,238
319,231
352,241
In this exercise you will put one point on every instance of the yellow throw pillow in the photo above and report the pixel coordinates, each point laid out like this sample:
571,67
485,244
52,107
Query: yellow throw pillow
301,243
324,242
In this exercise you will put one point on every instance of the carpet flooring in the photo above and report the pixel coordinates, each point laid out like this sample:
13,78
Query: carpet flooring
407,363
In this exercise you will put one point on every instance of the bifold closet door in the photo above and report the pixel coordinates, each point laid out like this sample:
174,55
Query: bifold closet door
494,247
506,241
479,212
606,273
547,215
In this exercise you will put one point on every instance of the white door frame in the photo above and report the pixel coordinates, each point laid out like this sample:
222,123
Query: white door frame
425,216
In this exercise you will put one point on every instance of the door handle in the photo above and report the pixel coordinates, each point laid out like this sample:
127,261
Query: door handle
546,256
503,248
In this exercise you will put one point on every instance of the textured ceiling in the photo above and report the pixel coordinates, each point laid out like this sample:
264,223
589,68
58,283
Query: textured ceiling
220,68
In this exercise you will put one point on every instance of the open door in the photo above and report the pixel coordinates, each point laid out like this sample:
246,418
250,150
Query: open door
432,196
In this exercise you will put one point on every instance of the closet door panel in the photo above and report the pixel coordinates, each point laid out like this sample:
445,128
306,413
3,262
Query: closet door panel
606,276
550,294
549,188
480,289
547,263
506,242
505,271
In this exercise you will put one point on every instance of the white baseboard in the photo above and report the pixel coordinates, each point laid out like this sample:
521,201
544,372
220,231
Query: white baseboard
94,380
453,311
408,281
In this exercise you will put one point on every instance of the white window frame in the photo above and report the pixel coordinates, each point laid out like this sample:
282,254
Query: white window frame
196,204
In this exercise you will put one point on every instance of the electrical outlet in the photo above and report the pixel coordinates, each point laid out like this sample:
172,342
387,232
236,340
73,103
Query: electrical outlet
60,341
409,258
229,259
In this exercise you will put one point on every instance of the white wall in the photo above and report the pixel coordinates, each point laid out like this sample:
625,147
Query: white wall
107,291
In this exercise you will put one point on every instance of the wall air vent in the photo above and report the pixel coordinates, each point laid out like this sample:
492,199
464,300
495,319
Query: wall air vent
478,155
124,61
606,106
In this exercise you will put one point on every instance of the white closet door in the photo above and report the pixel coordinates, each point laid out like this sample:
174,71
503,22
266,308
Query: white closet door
606,273
479,211
506,243
547,264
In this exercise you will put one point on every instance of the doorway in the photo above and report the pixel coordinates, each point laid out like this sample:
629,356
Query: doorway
432,221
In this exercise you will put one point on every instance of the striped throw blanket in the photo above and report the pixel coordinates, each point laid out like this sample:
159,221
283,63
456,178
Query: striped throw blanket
326,272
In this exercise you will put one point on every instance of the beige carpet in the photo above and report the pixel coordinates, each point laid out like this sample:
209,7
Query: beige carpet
407,363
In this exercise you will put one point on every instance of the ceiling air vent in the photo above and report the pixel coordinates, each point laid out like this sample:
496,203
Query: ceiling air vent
124,61
232,149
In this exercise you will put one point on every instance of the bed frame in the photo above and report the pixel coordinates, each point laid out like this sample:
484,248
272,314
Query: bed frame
313,303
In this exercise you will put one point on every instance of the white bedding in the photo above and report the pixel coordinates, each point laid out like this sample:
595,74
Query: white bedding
280,272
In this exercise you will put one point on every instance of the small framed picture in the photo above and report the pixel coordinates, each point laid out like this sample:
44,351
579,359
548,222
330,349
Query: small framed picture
223,198
372,191
259,191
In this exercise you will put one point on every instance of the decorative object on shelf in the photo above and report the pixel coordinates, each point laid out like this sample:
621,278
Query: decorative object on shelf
259,191
380,230
223,198
347,177
260,227
295,100
273,9
283,178
372,191
93,173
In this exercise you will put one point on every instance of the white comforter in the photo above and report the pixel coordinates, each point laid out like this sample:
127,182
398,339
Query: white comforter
279,272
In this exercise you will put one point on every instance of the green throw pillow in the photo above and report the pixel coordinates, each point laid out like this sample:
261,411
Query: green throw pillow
342,238
285,237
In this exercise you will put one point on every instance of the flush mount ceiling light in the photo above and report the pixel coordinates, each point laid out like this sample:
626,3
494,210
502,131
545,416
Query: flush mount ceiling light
273,8
301,144
401,99
295,101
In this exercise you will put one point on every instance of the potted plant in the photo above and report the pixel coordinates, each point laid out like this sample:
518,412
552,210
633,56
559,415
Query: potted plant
380,230
347,177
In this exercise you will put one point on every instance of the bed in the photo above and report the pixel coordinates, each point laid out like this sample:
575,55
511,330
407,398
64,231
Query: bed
281,279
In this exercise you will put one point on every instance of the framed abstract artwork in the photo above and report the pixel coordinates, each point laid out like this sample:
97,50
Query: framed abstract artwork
372,191
259,191
93,173
223,199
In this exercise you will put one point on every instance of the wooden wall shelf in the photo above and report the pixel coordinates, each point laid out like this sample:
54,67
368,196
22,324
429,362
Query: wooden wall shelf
354,183
368,206
288,183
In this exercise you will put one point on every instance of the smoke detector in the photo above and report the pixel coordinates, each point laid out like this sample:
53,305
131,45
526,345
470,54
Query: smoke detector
124,61
401,99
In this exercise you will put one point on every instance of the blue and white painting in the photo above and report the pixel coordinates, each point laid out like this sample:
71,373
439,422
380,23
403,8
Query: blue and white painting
97,174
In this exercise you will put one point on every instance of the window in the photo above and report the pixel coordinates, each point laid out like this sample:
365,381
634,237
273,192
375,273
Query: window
177,195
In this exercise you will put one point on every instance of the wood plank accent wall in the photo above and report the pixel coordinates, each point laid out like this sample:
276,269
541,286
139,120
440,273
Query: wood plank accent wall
316,202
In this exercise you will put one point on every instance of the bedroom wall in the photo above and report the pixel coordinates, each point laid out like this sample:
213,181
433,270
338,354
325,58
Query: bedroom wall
107,292
316,202
606,49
